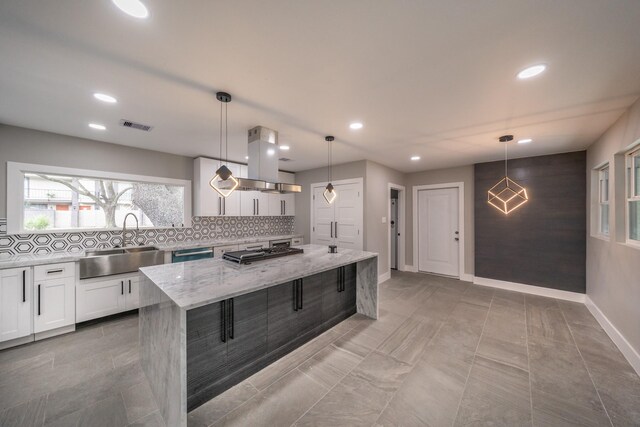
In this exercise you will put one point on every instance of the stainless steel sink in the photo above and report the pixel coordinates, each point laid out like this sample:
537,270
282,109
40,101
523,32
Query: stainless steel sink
107,262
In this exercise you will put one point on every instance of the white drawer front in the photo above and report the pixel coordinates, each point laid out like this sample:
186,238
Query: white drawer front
296,241
253,246
220,250
54,271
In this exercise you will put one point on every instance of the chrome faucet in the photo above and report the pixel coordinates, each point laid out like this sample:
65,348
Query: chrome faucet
124,229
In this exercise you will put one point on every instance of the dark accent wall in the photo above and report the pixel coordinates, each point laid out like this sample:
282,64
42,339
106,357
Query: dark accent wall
542,243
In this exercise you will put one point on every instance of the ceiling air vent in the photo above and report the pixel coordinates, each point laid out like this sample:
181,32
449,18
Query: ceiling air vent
134,125
284,159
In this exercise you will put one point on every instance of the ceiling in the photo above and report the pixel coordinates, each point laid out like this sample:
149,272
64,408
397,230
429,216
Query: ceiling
430,78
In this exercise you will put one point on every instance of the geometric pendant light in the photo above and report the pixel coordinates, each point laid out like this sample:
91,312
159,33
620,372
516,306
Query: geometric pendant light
224,182
507,195
329,192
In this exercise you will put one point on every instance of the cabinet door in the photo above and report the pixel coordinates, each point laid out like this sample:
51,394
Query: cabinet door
281,315
248,203
231,204
310,314
262,200
349,294
206,200
54,304
276,208
206,348
331,295
247,329
99,299
15,303
132,294
289,204
348,217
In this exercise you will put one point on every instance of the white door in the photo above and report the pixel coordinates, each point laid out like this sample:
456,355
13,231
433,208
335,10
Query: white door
15,303
348,216
393,230
54,304
438,231
323,216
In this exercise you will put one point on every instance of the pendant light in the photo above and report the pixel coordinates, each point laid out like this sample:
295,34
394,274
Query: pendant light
329,192
224,182
507,195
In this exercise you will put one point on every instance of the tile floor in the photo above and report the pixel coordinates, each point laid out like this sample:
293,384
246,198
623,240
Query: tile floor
443,353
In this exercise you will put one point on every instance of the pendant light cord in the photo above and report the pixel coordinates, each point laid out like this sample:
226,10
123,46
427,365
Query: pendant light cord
220,146
329,161
226,132
506,158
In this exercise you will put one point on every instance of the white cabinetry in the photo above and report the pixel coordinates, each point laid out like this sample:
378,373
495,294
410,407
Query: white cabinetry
207,202
254,203
104,296
54,296
283,204
15,303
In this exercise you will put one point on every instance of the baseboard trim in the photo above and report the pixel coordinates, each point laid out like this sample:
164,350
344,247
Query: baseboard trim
467,277
384,277
410,268
16,341
529,289
618,339
52,333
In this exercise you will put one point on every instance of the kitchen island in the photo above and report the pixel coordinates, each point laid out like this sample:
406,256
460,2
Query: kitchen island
207,325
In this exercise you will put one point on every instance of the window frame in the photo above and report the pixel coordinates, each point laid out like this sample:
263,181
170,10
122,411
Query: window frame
15,193
602,171
630,191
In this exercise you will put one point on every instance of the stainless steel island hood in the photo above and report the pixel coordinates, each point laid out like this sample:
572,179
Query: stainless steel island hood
263,164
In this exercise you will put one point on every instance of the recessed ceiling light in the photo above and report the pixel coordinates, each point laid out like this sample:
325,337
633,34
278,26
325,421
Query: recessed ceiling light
414,158
246,157
284,147
271,151
97,126
533,71
134,8
105,98
356,125
525,141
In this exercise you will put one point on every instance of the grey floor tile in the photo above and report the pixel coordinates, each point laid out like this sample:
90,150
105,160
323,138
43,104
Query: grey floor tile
505,351
545,320
152,420
139,401
281,404
330,365
25,415
109,412
93,390
382,371
408,341
577,314
480,295
353,402
495,394
221,405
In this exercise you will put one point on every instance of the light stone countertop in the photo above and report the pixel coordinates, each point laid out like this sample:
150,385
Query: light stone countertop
197,283
29,260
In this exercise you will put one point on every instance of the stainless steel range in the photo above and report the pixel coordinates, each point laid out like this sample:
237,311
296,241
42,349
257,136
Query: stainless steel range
247,257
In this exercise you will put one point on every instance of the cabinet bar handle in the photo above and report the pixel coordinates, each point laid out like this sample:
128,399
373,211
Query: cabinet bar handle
223,315
258,205
121,287
254,206
231,318
331,229
219,205
336,226
224,206
344,275
24,286
294,287
129,285
301,293
208,251
39,312
59,270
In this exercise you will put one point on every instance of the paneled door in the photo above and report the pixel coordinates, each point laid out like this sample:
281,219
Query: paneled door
323,215
339,223
438,233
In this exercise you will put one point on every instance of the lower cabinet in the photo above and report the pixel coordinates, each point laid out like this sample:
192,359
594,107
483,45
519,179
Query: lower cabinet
224,338
230,340
55,304
104,296
15,303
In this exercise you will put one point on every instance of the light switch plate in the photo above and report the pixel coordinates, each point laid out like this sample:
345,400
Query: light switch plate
384,219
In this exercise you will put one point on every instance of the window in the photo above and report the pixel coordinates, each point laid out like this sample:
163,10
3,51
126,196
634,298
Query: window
603,200
633,197
52,199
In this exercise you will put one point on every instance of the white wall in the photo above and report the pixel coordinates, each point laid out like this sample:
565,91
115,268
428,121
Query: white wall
613,269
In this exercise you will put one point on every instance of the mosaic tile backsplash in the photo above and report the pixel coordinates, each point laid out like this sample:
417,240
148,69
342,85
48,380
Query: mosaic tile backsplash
202,228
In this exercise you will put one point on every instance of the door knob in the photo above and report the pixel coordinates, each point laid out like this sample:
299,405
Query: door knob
456,239
456,232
